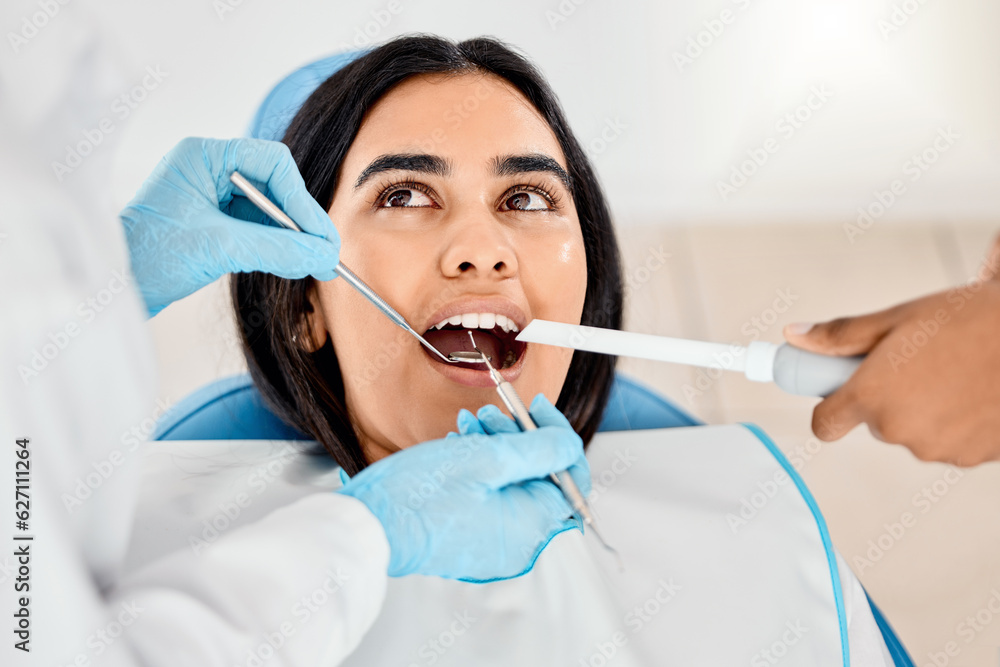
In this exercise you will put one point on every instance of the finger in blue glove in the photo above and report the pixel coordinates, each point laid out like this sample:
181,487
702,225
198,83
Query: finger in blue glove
188,225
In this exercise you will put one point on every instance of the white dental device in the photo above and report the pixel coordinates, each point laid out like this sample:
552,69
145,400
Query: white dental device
793,369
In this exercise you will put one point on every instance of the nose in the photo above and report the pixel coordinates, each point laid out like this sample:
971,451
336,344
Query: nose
479,250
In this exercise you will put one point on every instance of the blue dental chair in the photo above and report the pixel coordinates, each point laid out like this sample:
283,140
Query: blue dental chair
232,409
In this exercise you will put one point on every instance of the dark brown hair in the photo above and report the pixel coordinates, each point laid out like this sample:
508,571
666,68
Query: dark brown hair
306,389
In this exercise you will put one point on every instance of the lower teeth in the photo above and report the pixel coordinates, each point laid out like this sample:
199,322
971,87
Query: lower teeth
509,359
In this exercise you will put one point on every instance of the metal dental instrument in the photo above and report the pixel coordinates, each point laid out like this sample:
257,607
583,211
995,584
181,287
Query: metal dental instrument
563,480
258,199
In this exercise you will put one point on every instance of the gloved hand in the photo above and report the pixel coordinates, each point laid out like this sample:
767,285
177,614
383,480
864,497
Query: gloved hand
475,505
189,225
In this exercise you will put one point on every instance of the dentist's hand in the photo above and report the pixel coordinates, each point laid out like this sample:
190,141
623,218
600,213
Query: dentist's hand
931,379
476,505
189,225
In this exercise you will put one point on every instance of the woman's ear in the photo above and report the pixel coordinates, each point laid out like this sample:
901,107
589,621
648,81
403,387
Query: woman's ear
312,329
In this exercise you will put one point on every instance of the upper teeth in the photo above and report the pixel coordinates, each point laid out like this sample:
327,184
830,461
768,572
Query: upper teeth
479,321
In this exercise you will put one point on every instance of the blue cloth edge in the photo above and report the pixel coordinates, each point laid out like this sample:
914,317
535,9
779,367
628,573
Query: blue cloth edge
194,403
575,525
900,656
831,558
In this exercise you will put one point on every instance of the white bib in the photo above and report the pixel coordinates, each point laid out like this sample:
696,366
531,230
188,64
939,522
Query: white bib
727,561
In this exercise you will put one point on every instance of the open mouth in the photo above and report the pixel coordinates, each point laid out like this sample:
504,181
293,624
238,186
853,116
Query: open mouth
494,334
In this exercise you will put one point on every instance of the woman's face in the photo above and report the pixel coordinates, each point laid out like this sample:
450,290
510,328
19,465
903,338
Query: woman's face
452,204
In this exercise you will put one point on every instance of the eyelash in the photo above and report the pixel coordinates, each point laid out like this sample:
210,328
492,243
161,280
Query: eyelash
387,189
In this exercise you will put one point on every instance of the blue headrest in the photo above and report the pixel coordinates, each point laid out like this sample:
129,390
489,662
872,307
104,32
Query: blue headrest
285,99
232,409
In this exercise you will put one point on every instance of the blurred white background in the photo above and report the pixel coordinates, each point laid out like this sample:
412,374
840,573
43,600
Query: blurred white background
684,127
841,97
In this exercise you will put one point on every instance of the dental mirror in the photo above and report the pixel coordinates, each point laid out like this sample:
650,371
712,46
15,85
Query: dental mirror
468,357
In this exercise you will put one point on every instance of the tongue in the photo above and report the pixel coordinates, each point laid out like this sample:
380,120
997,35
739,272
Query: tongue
448,341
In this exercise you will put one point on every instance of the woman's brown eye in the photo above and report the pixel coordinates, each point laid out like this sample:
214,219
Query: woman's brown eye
399,198
407,197
522,201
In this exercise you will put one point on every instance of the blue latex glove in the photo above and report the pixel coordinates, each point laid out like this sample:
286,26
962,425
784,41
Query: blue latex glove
188,225
475,505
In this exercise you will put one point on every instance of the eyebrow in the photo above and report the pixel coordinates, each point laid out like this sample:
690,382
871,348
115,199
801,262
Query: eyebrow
423,163
533,162
503,165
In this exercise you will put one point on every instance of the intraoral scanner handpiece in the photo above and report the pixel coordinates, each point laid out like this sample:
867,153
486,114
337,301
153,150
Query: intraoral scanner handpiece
793,369
258,199
563,480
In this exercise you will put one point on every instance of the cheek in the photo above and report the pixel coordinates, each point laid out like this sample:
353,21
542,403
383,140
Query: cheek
556,288
380,364
558,285
366,342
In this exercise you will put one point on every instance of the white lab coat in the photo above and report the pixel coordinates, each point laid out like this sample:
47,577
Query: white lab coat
78,377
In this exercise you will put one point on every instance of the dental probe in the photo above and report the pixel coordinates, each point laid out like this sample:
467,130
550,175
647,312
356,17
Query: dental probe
563,480
258,199
793,369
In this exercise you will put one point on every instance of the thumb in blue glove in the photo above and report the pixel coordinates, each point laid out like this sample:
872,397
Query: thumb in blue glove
477,505
188,225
